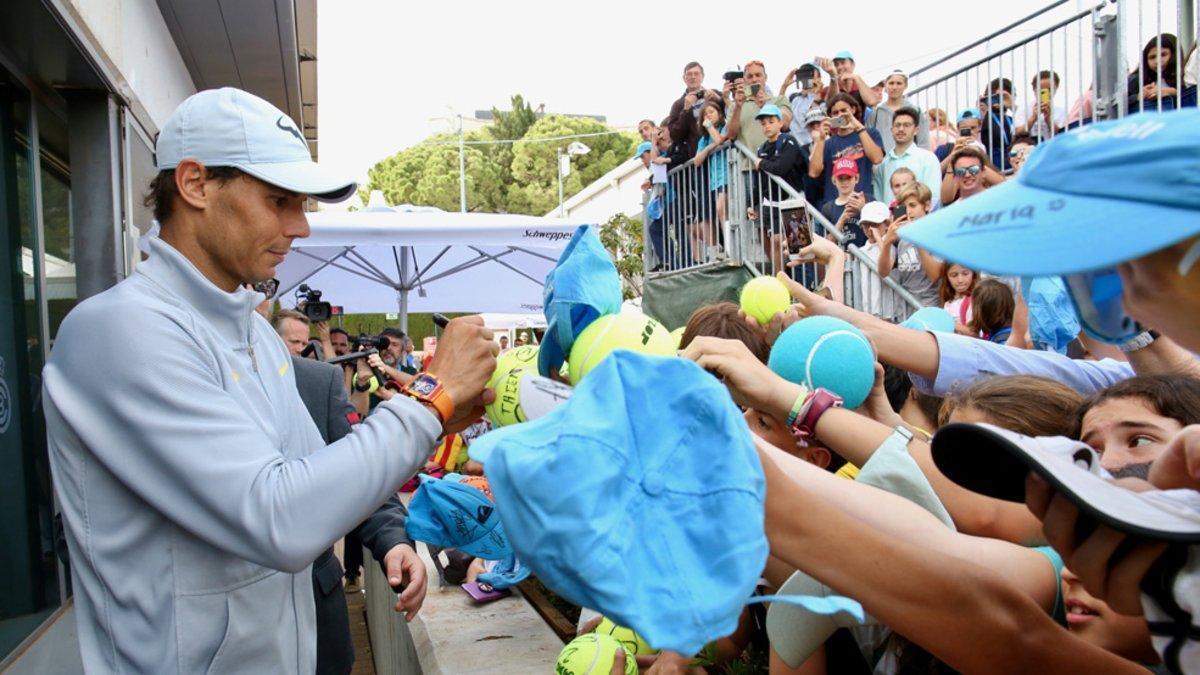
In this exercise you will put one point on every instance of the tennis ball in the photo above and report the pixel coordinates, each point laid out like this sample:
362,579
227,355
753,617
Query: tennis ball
627,330
930,318
506,409
632,642
513,359
764,297
592,654
822,351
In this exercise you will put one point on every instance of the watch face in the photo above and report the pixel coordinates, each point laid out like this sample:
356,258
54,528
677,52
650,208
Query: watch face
423,385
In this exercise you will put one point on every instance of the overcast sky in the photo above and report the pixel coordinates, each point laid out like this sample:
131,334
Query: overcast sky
387,67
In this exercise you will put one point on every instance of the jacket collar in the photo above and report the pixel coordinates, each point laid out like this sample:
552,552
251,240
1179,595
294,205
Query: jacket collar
229,314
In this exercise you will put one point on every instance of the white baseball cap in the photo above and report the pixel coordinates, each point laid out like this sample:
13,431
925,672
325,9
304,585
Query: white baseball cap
875,212
992,461
230,127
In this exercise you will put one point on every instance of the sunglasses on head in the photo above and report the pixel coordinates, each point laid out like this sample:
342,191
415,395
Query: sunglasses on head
268,287
973,170
1097,299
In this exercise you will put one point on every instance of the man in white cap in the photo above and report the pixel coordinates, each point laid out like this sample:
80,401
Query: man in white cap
195,489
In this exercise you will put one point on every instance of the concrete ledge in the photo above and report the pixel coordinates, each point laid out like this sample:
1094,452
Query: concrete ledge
454,635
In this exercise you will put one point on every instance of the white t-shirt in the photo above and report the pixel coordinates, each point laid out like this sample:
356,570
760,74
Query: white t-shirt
1039,129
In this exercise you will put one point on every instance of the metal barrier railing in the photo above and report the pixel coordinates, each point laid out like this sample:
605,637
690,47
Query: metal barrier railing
709,207
1091,56
1006,89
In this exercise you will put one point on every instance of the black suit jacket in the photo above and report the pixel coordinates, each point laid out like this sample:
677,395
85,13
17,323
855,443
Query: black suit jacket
324,395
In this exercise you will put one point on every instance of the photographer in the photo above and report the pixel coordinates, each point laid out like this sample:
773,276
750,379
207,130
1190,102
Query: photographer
685,111
845,135
339,339
749,94
809,94
997,128
843,80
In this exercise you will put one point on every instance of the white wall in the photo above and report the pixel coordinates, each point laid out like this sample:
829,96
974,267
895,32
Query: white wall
625,197
133,37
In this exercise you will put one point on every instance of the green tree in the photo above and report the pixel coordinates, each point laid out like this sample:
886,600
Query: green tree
535,165
501,177
622,236
507,126
427,175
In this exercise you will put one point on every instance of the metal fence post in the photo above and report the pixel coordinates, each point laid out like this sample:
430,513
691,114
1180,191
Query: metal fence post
1110,71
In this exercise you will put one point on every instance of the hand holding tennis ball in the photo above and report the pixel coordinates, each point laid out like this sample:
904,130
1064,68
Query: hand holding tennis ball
763,298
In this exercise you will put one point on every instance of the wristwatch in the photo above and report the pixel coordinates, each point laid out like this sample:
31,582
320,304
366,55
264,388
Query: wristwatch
1139,341
804,417
427,389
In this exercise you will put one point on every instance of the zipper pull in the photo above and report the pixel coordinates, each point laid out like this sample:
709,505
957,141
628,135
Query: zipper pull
253,361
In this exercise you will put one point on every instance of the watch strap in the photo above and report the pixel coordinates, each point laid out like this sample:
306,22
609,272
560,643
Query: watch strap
1140,341
438,399
805,424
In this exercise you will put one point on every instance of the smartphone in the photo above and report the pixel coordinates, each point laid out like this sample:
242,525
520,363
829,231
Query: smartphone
899,211
731,75
966,131
797,231
806,82
480,595
838,122
1044,95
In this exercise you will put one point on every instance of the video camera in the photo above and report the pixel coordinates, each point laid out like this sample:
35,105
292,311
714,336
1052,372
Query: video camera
312,306
364,346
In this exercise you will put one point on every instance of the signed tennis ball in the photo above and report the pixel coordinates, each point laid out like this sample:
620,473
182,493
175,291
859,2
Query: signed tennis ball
627,330
764,297
592,654
513,359
631,641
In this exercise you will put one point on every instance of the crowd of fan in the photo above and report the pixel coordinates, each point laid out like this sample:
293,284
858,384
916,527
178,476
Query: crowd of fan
861,153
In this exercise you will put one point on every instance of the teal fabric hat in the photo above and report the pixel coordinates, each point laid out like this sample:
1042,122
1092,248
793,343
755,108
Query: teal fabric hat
581,288
641,497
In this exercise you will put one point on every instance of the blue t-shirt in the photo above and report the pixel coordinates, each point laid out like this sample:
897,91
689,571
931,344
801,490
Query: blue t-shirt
850,146
716,163
832,210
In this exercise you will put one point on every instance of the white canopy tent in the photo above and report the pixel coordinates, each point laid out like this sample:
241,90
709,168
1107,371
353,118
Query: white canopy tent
421,259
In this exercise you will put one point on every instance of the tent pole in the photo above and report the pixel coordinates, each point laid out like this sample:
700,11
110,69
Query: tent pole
404,289
403,299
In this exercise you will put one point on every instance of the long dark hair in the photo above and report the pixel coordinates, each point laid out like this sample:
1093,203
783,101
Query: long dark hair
843,96
720,114
1150,75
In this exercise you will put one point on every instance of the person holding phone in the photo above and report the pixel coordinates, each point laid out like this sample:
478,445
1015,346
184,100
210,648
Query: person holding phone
843,80
684,117
845,135
748,101
843,210
810,93
1042,117
918,271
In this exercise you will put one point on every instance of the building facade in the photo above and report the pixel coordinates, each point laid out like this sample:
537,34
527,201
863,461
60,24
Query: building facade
85,85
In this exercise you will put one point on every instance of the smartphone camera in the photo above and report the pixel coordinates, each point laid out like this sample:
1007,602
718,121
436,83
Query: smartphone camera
899,211
733,75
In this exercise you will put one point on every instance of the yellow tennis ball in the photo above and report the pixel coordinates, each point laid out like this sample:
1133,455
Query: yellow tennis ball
506,409
631,641
513,359
627,330
592,654
764,297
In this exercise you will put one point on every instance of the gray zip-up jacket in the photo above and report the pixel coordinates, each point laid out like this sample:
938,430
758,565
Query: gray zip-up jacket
195,489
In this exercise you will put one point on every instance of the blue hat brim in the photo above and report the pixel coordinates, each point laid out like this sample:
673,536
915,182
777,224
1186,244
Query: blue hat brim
1014,228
